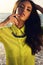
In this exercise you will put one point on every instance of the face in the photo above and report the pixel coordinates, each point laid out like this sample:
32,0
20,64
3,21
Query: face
24,10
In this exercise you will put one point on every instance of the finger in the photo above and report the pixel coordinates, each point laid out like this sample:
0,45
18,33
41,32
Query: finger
15,21
15,15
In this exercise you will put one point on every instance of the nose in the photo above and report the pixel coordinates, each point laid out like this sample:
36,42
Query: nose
24,11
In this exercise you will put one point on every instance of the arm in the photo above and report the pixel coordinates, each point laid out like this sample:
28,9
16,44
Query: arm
39,8
5,22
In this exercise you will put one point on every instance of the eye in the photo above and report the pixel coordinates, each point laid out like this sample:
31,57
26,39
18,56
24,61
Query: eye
21,6
28,10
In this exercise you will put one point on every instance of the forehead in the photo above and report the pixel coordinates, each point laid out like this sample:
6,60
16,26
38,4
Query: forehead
26,3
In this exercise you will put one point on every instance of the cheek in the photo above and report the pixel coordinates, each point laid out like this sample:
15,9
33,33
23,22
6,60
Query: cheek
27,15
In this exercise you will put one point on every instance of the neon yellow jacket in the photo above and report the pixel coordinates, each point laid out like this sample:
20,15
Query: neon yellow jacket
17,52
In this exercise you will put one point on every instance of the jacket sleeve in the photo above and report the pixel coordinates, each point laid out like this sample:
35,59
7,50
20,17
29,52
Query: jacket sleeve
1,30
4,31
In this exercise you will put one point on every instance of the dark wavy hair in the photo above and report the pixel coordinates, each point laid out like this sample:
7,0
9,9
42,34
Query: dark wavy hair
33,29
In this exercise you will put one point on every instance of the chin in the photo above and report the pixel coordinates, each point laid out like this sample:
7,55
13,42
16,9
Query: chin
22,19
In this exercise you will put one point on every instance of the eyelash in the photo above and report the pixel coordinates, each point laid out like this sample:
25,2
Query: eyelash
28,10
21,6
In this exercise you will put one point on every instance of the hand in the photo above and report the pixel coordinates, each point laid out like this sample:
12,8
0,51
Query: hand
10,19
38,7
14,18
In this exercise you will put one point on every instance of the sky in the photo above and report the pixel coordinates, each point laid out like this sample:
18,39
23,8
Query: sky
6,6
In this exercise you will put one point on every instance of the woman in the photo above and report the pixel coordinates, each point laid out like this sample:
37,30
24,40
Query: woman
21,40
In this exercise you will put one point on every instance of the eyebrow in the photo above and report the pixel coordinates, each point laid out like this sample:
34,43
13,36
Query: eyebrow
29,7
